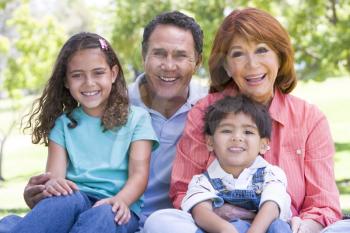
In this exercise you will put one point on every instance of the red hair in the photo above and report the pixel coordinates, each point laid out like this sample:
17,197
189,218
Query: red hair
254,25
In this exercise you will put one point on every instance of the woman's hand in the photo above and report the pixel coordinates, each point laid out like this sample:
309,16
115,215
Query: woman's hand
230,212
305,226
60,186
119,207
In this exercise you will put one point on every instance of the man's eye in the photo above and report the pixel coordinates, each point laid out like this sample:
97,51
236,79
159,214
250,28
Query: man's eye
248,132
226,131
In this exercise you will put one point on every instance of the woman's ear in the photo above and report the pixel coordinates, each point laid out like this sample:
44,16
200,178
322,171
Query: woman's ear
115,72
264,145
209,141
226,68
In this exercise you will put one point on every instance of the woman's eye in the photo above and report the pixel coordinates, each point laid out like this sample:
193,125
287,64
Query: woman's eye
237,54
262,50
75,75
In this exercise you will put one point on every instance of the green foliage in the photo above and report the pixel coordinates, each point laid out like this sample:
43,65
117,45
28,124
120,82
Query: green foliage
36,48
320,30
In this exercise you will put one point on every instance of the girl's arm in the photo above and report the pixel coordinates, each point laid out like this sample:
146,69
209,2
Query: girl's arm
136,184
207,220
267,213
57,166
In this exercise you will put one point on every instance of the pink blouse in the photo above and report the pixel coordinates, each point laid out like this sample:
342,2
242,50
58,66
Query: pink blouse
301,144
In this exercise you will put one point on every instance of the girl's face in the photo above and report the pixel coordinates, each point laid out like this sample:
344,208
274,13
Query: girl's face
236,142
89,80
253,66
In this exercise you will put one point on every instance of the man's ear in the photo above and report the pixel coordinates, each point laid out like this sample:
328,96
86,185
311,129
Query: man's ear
115,71
264,145
209,142
198,62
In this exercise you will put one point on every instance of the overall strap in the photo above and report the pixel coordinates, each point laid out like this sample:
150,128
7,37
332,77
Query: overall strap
216,182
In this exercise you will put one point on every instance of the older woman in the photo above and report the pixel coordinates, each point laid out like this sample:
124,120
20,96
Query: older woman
252,54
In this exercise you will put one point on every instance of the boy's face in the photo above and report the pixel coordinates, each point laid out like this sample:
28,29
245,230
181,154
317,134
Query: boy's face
236,143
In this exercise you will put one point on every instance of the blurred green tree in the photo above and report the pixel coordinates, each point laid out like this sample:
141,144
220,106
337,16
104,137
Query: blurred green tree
320,29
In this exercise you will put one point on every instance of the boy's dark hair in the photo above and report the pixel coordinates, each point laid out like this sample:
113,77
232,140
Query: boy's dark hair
56,98
177,19
239,104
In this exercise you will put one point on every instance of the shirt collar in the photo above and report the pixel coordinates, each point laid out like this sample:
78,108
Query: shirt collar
278,109
216,171
196,92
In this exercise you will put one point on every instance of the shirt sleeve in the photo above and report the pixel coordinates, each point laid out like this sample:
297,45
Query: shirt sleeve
143,129
191,155
199,190
57,132
321,202
275,189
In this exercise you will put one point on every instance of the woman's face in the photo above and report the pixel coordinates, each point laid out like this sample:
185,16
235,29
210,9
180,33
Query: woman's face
254,67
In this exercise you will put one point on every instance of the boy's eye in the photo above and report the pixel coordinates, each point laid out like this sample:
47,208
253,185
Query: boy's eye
248,132
226,131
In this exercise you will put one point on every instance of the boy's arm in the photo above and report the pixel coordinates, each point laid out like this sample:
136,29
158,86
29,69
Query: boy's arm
207,220
268,212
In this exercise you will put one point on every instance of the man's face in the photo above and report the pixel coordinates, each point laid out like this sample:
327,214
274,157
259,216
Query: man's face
170,62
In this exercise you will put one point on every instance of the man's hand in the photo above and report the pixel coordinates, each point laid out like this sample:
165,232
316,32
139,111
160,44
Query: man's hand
35,189
230,212
305,226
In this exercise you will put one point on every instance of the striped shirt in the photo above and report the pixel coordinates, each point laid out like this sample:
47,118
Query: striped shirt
301,144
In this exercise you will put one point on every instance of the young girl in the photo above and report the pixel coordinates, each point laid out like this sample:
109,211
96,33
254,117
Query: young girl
97,143
237,131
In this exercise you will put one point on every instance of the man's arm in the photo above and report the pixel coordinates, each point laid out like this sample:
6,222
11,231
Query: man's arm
35,189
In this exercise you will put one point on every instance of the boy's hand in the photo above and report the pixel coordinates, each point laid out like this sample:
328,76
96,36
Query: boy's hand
119,207
60,186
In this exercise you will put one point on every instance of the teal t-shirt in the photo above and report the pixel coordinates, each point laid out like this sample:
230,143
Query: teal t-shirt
98,161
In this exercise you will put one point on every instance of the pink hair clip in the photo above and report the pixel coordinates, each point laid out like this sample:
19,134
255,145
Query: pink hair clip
103,44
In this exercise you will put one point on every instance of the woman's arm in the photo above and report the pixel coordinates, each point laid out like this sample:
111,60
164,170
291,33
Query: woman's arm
136,184
207,220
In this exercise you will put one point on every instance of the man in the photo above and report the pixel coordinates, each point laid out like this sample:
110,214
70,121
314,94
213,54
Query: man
172,52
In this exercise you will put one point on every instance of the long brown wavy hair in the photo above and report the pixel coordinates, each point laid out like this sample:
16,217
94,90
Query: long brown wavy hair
256,25
57,100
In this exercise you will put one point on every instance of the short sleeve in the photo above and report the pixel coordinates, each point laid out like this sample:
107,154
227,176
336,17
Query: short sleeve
275,189
57,133
199,190
143,129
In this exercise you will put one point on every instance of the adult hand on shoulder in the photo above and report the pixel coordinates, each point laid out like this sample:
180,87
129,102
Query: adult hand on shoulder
230,212
305,226
60,186
119,207
35,189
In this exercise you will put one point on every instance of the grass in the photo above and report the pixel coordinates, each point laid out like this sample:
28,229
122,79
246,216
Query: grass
22,159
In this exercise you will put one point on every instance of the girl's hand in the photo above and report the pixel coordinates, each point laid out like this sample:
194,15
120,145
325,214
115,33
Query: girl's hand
305,226
119,207
60,186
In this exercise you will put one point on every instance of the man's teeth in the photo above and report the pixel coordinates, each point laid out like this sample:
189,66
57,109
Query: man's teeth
167,79
236,149
90,93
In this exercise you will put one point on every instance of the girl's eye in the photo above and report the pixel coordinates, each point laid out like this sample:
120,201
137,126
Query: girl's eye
262,50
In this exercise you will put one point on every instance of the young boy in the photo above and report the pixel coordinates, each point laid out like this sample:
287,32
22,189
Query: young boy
237,132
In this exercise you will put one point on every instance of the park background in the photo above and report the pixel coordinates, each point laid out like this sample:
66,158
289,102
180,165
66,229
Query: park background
33,31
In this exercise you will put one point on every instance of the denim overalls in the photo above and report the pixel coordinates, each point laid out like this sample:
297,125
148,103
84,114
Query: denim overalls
247,199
